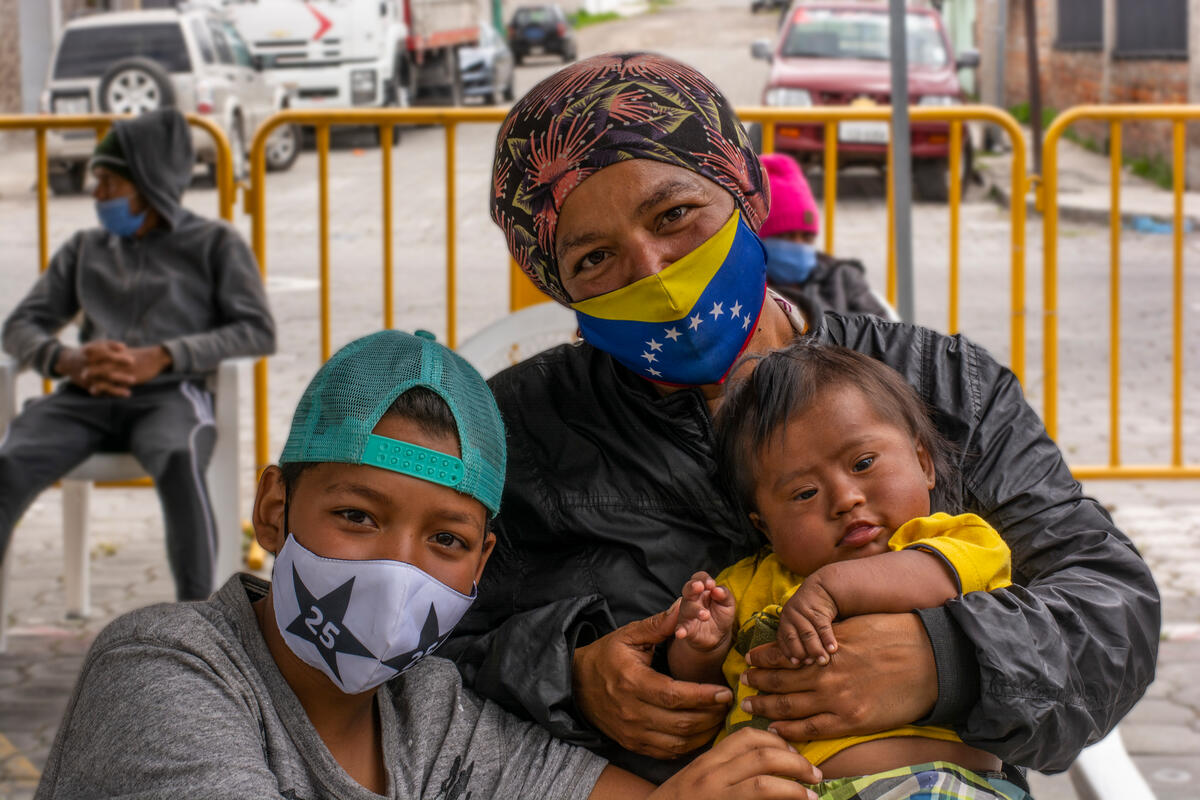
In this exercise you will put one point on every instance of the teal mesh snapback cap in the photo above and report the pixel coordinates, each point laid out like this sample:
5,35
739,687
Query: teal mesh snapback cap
355,387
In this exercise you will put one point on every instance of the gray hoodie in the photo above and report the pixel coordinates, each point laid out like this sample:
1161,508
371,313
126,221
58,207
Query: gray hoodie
190,285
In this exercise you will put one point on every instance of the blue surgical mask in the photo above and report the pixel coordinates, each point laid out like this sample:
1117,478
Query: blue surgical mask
116,216
789,262
687,324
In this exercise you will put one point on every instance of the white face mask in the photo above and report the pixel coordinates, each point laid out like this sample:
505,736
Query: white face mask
360,622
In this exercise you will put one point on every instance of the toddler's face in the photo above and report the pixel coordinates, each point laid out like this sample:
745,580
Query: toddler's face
837,481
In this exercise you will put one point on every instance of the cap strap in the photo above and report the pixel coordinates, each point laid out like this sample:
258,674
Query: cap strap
412,459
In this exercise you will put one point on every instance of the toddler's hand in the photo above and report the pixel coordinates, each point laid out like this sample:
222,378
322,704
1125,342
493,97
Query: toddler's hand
706,615
806,624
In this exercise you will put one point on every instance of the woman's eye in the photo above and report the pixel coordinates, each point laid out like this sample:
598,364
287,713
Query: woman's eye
864,463
355,517
674,214
591,260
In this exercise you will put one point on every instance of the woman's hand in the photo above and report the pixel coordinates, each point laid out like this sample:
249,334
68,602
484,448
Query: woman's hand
639,708
882,676
750,764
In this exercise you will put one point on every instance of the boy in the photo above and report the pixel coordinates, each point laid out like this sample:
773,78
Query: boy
317,685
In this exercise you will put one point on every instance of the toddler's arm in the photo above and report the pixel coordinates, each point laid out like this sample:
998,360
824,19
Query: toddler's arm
887,583
704,633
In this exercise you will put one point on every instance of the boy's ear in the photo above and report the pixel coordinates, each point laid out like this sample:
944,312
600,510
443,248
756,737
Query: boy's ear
269,505
489,544
758,523
926,462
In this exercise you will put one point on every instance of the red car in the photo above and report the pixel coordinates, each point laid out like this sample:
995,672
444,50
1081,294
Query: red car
830,54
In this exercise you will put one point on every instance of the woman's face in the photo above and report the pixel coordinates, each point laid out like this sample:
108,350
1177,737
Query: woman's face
631,220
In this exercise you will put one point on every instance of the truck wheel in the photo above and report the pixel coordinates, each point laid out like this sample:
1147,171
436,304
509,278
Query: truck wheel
134,86
283,147
69,181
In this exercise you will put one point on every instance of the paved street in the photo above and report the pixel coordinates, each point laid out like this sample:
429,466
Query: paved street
128,561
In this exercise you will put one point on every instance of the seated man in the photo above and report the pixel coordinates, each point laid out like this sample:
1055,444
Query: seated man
163,296
815,281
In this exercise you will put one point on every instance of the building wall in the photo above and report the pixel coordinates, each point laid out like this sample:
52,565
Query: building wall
1078,77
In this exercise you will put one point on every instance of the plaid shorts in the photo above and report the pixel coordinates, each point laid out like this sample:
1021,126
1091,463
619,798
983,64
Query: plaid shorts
938,780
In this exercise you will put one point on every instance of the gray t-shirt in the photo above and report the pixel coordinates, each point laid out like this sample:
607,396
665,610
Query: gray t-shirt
184,700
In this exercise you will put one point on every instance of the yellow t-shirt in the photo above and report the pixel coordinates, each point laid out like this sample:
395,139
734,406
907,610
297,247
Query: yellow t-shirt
761,586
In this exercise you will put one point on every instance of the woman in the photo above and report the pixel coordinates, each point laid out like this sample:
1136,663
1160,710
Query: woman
627,189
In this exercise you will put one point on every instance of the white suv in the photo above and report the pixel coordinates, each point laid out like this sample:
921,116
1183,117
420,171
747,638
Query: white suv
136,61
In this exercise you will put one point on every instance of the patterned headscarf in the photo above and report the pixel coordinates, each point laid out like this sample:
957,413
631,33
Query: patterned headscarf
601,111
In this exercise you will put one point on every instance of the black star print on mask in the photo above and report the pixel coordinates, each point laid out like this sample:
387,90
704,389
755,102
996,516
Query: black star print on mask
428,643
320,622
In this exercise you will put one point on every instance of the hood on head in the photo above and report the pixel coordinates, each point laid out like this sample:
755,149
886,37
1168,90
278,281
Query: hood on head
158,149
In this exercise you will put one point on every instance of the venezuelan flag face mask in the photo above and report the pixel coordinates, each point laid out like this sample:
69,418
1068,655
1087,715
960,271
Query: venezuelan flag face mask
686,325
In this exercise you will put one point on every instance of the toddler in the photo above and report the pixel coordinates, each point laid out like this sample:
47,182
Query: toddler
837,459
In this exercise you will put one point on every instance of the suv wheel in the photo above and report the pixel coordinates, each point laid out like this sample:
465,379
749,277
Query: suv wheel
134,86
237,144
931,176
283,146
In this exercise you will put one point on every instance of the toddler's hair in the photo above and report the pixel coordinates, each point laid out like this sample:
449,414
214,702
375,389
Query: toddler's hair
788,382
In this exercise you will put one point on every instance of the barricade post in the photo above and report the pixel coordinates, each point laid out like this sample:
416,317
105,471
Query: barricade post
1178,116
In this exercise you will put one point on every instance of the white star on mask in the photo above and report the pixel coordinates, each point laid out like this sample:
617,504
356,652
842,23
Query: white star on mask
736,310
695,321
717,310
672,333
654,345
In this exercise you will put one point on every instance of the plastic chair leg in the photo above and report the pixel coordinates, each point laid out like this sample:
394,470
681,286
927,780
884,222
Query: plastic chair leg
75,547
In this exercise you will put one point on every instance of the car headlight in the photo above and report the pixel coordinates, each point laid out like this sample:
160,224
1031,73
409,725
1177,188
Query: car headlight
793,98
939,100
362,86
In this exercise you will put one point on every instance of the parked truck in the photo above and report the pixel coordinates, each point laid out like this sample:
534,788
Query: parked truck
362,53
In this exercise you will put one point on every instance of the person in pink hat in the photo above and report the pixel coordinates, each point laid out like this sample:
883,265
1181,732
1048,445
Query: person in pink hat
814,280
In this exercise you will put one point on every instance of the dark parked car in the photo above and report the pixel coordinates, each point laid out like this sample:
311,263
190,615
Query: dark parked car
541,29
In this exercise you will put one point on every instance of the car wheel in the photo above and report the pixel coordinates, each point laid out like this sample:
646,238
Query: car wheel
395,136
69,181
283,147
931,177
569,54
134,86
518,59
509,93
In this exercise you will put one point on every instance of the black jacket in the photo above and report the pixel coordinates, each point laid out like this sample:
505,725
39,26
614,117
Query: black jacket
836,284
611,504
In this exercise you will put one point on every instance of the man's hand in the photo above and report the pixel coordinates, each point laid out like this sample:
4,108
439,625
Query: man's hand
109,368
882,676
642,710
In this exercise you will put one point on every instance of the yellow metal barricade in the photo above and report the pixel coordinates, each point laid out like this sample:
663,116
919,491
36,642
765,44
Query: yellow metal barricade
384,120
1178,116
521,292
100,123
955,117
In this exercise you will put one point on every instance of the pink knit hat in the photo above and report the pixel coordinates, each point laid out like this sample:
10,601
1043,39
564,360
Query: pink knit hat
792,205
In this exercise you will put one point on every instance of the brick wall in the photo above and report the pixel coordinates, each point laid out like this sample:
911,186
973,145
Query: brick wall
1077,77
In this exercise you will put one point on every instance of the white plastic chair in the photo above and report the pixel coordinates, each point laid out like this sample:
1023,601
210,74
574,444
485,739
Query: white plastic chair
222,475
1105,771
518,336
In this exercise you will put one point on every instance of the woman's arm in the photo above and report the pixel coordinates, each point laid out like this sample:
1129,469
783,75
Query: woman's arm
749,764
